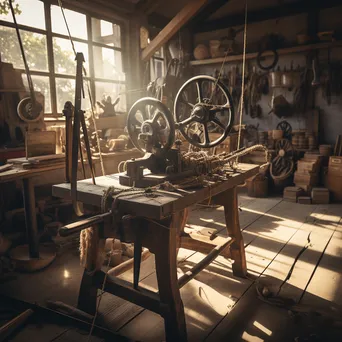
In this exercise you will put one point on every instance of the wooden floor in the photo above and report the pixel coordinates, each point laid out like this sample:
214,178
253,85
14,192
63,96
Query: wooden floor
283,240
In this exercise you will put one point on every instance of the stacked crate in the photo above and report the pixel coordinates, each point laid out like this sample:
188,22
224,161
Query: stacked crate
333,178
308,170
291,193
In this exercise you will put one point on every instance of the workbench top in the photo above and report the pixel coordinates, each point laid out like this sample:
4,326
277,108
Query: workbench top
158,207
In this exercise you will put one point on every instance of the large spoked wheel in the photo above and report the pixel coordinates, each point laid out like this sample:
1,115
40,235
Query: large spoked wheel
204,105
284,148
150,125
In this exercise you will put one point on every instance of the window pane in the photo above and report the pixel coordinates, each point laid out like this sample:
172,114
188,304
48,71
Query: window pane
64,56
41,84
108,64
157,69
28,12
34,47
66,92
106,32
104,89
159,53
77,22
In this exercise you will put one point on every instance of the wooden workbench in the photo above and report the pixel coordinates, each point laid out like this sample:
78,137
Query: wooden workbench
157,225
48,175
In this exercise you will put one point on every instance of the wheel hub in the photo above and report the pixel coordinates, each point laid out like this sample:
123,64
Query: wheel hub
281,153
147,128
201,114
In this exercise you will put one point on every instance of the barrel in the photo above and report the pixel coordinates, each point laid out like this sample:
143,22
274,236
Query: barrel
325,150
277,134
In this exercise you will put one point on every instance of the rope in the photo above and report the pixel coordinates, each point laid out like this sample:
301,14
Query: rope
243,76
27,70
88,89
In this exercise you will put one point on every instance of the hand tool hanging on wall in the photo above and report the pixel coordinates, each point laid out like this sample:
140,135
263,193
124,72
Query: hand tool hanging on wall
28,108
316,79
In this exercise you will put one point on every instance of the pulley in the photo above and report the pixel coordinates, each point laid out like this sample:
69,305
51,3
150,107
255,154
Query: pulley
150,125
204,104
29,110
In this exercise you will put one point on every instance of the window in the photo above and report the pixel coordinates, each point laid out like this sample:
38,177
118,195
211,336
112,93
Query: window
157,66
51,58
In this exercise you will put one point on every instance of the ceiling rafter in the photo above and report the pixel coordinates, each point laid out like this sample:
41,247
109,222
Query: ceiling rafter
181,19
274,12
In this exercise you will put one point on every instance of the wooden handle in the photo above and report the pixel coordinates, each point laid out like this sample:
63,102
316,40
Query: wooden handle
14,324
76,227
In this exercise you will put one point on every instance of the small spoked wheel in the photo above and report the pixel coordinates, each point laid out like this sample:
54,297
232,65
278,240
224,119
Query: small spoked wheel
204,104
150,125
286,128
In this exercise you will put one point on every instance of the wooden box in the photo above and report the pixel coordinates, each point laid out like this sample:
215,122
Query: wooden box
306,188
334,183
307,166
291,193
320,196
304,200
306,179
335,165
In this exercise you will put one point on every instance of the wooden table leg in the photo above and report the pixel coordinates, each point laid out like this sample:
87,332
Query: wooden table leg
229,201
165,250
87,297
30,217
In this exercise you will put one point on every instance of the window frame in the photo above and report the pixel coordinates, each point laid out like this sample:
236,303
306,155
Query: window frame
50,35
162,59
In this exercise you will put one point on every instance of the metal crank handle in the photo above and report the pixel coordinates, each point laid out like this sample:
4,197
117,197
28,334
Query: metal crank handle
76,227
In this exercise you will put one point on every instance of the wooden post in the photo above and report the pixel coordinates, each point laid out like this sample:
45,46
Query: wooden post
87,297
231,212
30,217
166,267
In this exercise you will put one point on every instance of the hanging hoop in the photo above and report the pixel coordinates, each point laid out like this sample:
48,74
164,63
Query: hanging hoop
274,57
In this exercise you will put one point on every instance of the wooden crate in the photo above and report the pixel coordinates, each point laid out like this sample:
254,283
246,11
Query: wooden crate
320,195
306,179
307,166
304,200
291,193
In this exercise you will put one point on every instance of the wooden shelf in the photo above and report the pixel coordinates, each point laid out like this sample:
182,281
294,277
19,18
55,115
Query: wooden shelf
285,51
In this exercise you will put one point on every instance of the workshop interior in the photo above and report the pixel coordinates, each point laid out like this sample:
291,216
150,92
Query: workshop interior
170,170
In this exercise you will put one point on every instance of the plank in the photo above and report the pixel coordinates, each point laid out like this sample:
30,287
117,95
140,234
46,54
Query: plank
327,293
203,313
178,21
273,275
204,304
154,208
114,312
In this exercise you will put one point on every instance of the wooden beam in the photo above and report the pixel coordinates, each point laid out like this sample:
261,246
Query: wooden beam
274,12
172,27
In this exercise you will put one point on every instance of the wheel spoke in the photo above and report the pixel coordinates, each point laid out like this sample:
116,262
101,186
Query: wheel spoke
186,121
206,134
199,91
136,121
156,115
219,123
187,103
